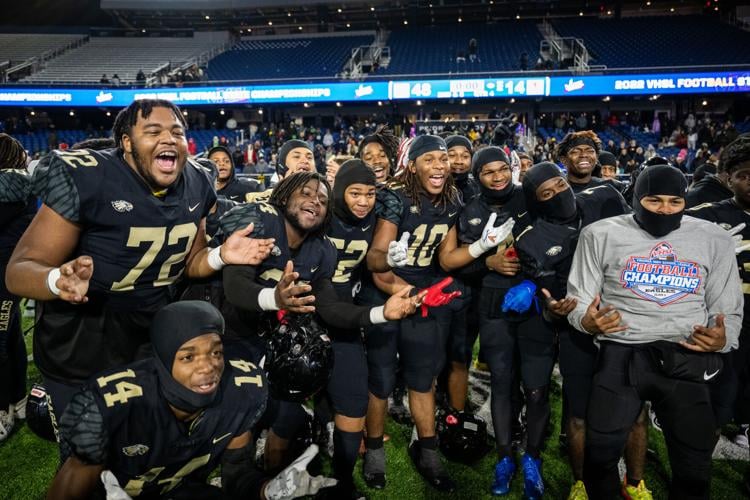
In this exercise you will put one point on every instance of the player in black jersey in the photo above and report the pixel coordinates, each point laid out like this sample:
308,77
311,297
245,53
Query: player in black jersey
351,230
546,247
731,392
17,207
415,213
116,228
459,154
579,153
503,331
294,156
378,151
160,426
227,184
298,276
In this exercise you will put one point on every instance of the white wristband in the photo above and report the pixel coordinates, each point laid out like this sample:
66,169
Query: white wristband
377,315
52,276
476,249
214,259
267,299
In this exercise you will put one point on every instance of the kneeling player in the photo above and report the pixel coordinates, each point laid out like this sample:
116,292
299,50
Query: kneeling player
161,425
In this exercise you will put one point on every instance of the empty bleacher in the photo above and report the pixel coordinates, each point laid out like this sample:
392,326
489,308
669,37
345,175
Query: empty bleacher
658,41
17,48
436,49
274,58
124,56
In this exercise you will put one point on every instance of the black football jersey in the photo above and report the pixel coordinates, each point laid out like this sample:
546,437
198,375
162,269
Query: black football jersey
239,190
468,188
138,241
123,422
474,217
728,214
17,208
352,243
426,224
602,199
316,257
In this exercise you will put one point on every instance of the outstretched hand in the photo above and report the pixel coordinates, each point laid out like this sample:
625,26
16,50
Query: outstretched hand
74,279
559,307
399,305
602,321
240,249
287,292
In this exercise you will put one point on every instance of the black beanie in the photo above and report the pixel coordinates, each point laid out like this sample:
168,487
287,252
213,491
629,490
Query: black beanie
284,150
425,144
536,176
607,158
171,327
351,172
485,156
457,140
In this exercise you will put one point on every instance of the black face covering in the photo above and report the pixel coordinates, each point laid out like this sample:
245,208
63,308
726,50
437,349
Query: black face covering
171,327
351,172
482,158
561,208
662,180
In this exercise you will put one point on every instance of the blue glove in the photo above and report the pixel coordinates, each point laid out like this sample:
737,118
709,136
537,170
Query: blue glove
520,297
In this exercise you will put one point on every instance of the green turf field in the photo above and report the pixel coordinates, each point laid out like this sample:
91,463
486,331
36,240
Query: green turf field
28,464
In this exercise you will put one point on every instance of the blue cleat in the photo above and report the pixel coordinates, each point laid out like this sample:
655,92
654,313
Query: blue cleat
533,485
504,471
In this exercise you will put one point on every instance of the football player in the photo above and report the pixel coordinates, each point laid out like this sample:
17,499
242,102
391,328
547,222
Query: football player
378,151
115,229
227,184
731,392
459,154
504,331
415,213
579,153
297,277
293,156
17,207
160,426
546,248
662,293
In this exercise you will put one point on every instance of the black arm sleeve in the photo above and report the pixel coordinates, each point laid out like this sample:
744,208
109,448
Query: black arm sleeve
240,288
83,432
240,478
336,312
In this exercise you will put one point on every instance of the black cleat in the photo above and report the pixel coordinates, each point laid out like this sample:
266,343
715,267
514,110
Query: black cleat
374,469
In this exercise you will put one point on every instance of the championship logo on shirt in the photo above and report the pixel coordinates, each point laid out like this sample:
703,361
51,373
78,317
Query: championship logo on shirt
660,277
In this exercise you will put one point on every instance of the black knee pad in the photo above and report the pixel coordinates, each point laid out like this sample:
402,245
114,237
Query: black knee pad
381,381
418,378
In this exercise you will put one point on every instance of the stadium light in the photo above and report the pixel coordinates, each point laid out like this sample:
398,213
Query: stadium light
671,9
299,28
208,18
72,113
288,14
270,23
606,99
380,103
32,113
704,103
459,19
648,3
518,16
580,13
463,101
260,111
339,10
419,102
221,112
407,22
372,9
109,113
512,100
338,104
348,25
185,112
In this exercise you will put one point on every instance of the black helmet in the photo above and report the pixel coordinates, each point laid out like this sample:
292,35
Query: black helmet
463,436
39,416
299,357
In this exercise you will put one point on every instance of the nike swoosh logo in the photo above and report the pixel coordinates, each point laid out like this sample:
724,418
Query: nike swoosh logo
216,440
192,209
365,228
314,269
451,214
706,376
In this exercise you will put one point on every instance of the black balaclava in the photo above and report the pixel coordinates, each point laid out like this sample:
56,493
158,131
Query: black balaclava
561,208
351,172
458,140
284,150
482,158
658,180
171,327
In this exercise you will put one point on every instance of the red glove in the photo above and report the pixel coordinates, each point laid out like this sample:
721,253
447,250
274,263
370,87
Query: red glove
436,297
280,315
511,253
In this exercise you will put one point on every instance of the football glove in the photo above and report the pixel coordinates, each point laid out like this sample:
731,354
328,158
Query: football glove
112,487
295,481
491,236
520,297
737,237
397,251
436,297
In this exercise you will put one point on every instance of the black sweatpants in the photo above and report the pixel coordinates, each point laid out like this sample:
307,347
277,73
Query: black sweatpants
625,377
13,360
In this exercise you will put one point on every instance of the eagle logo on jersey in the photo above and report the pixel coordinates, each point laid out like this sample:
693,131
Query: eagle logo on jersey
661,277
552,251
122,206
135,450
414,209
475,221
